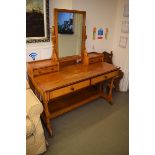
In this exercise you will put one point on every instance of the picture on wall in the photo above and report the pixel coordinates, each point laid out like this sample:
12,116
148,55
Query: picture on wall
125,27
65,23
123,42
37,22
100,33
94,33
106,33
126,9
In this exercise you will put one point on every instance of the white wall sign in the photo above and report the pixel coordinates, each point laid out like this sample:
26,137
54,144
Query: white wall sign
125,27
123,42
126,10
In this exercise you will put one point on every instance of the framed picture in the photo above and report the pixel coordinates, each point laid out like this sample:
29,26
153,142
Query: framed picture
126,9
123,42
125,27
37,21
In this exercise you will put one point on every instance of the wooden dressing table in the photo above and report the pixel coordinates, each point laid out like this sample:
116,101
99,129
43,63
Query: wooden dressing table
65,84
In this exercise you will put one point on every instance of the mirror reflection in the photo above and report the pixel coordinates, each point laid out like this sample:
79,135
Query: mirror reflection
69,34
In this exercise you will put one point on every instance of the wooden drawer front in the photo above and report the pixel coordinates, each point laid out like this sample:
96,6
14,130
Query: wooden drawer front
69,89
36,72
45,70
103,77
94,60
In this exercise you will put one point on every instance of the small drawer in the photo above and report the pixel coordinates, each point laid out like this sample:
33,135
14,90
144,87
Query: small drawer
45,70
51,69
69,89
94,60
103,77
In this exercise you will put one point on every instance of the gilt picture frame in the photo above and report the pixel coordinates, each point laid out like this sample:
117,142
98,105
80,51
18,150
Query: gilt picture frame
37,21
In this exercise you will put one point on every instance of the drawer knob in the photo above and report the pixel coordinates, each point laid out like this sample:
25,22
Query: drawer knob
72,88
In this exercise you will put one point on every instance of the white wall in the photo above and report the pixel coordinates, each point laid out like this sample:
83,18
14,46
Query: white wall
62,4
121,55
99,14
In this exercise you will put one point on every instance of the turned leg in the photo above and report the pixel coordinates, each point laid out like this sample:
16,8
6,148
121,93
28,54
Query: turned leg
49,127
47,119
47,115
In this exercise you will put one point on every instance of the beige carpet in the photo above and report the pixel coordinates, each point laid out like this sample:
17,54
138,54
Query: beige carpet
96,128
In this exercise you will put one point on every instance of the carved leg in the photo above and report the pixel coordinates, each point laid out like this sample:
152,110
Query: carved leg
108,96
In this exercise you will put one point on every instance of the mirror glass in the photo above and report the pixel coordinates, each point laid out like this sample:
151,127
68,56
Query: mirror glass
69,33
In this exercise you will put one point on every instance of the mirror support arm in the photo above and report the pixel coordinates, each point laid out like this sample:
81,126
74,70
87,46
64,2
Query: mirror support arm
54,57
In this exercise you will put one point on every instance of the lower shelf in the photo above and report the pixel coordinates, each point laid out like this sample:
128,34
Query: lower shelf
69,102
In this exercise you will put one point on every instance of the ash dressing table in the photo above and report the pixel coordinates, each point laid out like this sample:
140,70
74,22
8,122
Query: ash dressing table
66,82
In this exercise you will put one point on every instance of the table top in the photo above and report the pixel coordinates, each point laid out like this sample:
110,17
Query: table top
72,74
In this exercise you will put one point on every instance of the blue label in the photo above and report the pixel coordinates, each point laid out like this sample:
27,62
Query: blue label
33,55
100,31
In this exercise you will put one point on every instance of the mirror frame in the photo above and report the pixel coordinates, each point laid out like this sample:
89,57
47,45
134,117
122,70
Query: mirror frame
56,11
